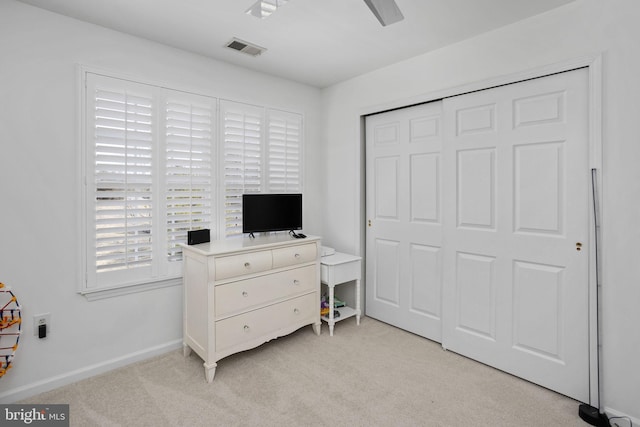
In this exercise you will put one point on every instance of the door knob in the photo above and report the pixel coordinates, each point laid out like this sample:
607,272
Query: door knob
578,246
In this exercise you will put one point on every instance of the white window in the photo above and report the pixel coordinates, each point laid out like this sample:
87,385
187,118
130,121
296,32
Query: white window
151,173
189,170
149,178
243,159
284,156
121,133
262,152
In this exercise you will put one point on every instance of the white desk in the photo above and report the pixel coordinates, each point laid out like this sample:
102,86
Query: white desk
334,270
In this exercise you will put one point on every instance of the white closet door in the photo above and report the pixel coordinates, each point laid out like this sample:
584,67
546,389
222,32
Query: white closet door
516,230
404,208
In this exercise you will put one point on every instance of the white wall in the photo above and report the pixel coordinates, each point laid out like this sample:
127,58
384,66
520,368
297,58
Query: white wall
39,199
582,28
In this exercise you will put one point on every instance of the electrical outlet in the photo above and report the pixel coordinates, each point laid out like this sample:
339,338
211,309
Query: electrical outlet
41,319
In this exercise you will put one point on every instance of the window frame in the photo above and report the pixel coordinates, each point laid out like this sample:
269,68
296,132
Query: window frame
162,276
125,90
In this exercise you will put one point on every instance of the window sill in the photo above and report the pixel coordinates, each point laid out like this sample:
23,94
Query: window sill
102,293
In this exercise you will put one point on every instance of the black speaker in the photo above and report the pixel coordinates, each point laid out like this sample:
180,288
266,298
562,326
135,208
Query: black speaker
198,236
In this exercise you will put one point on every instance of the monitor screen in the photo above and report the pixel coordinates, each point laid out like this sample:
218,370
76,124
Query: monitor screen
271,212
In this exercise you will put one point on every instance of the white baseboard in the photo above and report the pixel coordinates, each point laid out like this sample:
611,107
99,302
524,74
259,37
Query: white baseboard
30,390
623,421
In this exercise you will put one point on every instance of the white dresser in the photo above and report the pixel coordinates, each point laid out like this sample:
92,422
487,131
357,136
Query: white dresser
240,293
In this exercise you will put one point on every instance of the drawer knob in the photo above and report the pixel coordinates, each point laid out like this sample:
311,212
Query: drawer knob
296,311
245,294
247,264
246,328
296,282
297,256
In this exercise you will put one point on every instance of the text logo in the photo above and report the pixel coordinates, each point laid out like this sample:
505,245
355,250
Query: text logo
35,415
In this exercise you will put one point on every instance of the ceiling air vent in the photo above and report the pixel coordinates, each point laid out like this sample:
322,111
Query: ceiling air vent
245,47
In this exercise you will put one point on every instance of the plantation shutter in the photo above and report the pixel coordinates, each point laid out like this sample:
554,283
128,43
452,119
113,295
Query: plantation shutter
242,157
153,170
189,168
284,152
121,130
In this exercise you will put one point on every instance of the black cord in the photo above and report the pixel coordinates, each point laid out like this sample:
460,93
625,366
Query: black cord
295,235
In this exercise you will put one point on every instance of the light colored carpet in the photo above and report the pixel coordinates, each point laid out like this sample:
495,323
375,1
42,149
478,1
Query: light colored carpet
367,375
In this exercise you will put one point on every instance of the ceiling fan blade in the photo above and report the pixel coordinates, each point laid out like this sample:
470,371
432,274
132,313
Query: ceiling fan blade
387,11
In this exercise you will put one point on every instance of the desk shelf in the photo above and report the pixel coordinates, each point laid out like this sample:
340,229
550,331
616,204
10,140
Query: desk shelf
345,313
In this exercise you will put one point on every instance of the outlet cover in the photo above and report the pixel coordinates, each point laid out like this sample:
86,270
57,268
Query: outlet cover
40,319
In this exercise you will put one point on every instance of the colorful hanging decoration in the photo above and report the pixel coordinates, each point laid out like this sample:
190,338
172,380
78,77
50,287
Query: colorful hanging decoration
10,327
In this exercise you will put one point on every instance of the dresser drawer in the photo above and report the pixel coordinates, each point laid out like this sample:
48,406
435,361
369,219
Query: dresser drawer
255,324
241,264
294,255
244,294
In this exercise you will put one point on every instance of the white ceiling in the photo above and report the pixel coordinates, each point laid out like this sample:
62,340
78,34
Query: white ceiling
317,42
